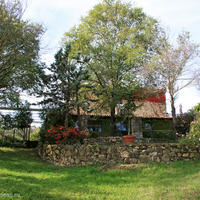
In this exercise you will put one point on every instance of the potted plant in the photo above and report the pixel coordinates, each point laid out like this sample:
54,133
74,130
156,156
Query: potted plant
129,139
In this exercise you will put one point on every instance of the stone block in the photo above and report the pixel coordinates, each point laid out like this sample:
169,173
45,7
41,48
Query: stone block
185,155
144,158
165,158
68,153
125,154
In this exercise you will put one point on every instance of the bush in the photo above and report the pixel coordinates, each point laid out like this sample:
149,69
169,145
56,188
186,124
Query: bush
63,135
193,137
158,124
35,135
31,144
9,143
161,134
183,122
53,117
94,134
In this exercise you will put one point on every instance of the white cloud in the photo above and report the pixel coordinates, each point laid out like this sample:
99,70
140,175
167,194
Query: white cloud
177,14
58,16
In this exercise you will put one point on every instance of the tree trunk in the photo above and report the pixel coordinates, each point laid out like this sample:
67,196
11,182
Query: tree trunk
66,122
3,135
29,133
24,135
112,121
78,112
79,118
173,110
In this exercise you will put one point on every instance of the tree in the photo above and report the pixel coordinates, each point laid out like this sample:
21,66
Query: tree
19,47
62,87
173,64
121,39
183,122
7,123
23,119
197,108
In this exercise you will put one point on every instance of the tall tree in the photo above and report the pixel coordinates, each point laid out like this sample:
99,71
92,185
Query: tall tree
62,86
174,63
121,39
19,48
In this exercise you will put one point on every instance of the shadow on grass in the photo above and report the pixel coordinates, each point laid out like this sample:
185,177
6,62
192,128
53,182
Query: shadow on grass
21,171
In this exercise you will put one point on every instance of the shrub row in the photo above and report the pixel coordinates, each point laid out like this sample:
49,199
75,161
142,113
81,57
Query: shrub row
161,134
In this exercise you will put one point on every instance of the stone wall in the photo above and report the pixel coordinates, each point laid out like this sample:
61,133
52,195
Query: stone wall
119,140
87,154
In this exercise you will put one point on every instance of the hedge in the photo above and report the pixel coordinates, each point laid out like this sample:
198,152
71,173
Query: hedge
163,134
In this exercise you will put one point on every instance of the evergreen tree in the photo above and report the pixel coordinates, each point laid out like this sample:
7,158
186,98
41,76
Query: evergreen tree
65,83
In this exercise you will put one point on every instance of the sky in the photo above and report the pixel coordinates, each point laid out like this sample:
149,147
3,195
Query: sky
58,16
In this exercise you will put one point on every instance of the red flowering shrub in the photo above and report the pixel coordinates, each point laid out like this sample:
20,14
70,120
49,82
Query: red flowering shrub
63,135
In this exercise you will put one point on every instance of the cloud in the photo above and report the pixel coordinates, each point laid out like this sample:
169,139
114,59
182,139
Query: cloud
57,16
180,13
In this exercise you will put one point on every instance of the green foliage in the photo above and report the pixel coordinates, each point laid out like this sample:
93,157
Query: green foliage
197,108
158,124
94,134
64,85
35,135
22,120
53,117
23,117
161,134
193,137
11,143
19,48
105,126
183,122
7,121
121,39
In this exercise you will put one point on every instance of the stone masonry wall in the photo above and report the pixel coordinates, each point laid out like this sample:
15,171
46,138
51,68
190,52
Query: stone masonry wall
119,140
87,154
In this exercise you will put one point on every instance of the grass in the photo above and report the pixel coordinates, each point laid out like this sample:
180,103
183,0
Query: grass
24,176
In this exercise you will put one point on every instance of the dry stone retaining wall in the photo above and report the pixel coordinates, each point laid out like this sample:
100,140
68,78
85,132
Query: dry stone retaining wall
87,154
119,140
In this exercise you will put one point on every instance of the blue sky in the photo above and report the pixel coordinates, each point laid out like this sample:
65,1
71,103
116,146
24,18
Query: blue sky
58,16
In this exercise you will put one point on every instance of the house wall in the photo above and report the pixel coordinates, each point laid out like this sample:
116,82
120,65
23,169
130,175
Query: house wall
157,128
136,127
101,126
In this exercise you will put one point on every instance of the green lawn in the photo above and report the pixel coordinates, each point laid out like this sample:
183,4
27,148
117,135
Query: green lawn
24,176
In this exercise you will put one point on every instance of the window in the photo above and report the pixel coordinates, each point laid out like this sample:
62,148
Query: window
94,126
148,126
120,126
